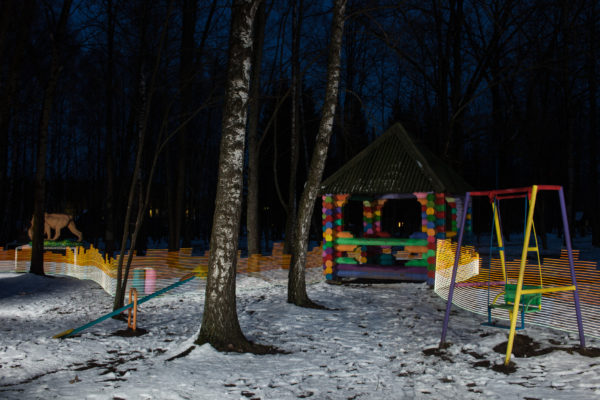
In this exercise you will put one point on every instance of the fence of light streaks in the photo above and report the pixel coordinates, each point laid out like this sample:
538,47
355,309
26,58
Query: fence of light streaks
157,269
474,290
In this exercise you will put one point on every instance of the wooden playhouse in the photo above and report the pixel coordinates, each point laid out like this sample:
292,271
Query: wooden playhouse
393,173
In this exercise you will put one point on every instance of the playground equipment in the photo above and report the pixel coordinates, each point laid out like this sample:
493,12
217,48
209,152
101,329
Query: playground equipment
529,303
74,331
152,274
133,310
538,289
394,169
376,255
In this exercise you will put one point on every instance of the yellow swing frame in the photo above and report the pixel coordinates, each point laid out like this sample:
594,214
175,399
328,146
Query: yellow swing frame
522,292
529,303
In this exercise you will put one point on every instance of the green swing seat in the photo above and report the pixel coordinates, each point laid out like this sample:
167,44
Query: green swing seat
530,303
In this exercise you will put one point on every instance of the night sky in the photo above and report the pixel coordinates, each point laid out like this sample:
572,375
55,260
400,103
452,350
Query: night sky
504,92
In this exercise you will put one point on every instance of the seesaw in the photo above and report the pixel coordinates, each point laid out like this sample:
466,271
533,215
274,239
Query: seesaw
74,331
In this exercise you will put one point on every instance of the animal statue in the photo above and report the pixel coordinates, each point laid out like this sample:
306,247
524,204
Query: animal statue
57,222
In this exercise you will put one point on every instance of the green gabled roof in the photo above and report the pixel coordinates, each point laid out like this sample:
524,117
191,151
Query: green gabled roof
394,163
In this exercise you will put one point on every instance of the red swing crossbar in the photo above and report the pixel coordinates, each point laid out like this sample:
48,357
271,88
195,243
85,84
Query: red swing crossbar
515,193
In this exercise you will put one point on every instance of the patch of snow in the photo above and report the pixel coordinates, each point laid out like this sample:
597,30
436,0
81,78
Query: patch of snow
369,345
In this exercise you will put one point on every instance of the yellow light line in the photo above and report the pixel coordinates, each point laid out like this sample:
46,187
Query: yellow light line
549,290
515,311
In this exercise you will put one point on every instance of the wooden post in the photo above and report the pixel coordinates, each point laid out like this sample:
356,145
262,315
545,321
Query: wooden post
132,293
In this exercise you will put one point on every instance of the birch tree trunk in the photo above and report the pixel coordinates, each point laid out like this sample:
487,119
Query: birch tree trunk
220,325
297,280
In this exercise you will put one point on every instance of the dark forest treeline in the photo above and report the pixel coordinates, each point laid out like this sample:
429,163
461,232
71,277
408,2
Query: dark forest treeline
504,91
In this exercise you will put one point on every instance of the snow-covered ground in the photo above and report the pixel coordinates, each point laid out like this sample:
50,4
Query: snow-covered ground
377,341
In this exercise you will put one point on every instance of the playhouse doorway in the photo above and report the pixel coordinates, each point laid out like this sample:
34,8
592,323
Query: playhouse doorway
401,217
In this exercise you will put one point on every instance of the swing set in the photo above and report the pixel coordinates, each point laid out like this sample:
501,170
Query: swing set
529,303
523,294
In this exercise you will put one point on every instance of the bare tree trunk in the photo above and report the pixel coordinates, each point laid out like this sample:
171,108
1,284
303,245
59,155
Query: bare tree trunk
220,325
136,115
456,127
566,108
290,223
8,91
186,74
136,183
252,214
188,68
37,253
592,213
122,277
207,25
297,280
171,188
109,212
7,13
441,80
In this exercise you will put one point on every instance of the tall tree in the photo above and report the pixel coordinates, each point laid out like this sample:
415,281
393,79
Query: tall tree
137,183
186,74
456,24
109,213
357,55
567,17
139,114
8,93
57,41
592,79
220,325
297,280
296,93
252,214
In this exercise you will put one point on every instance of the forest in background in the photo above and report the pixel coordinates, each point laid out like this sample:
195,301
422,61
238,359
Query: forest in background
503,91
